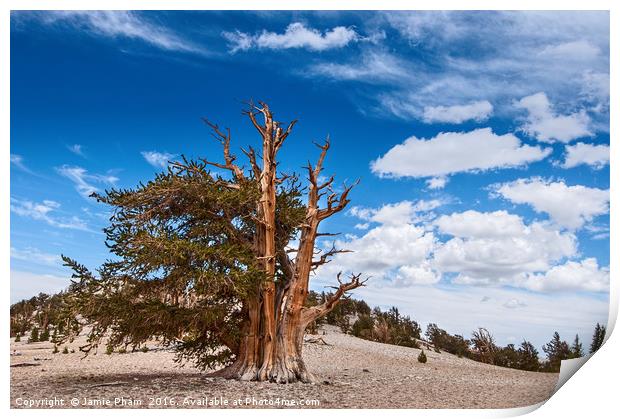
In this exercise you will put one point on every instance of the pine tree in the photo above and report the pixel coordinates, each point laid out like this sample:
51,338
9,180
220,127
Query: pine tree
528,357
598,338
203,260
557,350
576,349
34,335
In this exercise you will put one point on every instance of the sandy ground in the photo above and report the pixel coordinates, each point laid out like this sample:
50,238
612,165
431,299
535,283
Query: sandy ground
351,373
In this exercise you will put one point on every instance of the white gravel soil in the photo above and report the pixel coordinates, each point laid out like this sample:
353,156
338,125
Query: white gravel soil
350,372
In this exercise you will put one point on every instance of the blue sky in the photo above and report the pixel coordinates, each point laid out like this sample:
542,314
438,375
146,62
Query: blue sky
481,140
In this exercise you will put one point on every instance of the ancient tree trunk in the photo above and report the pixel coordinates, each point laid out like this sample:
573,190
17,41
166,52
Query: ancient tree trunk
272,341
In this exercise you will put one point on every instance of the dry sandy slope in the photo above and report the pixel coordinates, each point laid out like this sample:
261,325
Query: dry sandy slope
394,379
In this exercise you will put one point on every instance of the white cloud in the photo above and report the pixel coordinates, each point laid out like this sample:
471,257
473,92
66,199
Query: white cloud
296,35
514,303
569,60
76,149
81,179
18,161
395,249
452,152
383,250
25,285
34,255
544,124
375,67
478,111
42,211
571,276
157,159
420,274
580,50
121,24
498,247
568,206
596,156
403,212
438,182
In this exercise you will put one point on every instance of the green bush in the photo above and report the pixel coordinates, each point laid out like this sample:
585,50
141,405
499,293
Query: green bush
55,351
422,357
144,349
34,335
109,349
18,337
65,350
122,351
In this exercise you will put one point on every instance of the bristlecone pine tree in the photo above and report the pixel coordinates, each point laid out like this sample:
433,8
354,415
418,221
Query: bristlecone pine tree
203,264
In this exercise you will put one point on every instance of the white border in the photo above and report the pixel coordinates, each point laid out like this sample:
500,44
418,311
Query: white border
591,394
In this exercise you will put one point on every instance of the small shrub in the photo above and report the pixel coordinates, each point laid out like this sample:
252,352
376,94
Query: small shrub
55,351
18,337
109,349
144,349
65,350
122,351
34,335
44,336
422,357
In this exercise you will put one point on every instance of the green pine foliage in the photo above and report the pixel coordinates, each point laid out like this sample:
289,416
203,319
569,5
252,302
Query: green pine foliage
557,350
598,338
34,335
528,357
184,260
576,349
422,357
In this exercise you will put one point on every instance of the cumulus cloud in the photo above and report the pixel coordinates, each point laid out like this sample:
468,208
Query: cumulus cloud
157,159
119,24
296,35
453,152
568,206
395,249
383,250
406,245
402,212
547,126
498,248
438,182
45,211
477,111
585,275
595,156
83,181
